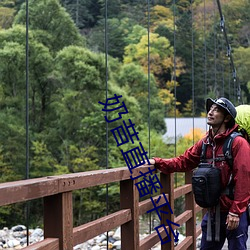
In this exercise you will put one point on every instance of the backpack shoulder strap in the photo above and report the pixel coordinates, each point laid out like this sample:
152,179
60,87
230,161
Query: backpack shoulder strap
203,152
227,148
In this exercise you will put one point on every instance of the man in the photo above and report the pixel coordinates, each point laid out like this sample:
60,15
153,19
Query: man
221,115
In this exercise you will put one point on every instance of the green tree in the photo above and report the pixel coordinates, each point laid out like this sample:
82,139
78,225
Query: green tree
79,73
13,60
53,25
117,31
6,17
84,13
161,57
241,56
42,163
135,82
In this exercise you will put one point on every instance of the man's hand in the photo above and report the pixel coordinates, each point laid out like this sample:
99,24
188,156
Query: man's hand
232,221
152,161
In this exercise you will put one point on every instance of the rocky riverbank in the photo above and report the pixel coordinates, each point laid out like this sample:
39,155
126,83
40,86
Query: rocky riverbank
16,238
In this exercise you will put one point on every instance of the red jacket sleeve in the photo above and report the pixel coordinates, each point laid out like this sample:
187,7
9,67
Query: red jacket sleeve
185,162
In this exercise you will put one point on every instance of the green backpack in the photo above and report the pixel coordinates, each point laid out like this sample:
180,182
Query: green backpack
243,120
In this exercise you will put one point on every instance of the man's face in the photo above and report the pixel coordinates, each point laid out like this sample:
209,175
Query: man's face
215,116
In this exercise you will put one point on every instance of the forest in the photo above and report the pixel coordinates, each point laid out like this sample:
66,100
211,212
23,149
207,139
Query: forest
164,57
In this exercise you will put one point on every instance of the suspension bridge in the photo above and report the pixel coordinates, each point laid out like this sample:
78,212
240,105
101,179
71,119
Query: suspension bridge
56,191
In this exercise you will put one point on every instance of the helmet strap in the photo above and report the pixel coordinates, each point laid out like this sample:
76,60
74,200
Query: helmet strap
219,127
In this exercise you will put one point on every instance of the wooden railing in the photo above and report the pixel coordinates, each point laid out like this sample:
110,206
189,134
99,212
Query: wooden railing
59,232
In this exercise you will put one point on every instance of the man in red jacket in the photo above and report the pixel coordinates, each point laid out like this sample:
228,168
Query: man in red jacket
221,115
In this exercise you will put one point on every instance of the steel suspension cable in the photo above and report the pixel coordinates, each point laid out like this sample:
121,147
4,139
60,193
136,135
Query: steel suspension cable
205,49
77,13
106,83
229,54
27,207
174,73
215,52
222,68
192,76
149,121
175,88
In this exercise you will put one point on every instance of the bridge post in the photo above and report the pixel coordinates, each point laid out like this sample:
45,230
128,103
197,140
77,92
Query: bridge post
190,205
129,198
167,182
58,219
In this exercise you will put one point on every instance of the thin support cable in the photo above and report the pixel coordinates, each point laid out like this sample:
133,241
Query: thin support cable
27,89
174,73
205,50
149,122
175,87
148,23
223,80
234,82
222,67
106,72
106,82
229,84
77,13
193,96
215,53
27,207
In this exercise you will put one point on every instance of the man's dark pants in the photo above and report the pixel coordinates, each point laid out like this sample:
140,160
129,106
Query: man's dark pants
237,238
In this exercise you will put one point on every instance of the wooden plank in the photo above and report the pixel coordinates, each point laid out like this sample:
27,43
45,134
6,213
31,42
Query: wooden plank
146,205
90,230
185,244
182,218
182,190
198,231
58,219
152,239
92,178
129,197
190,205
149,241
24,190
46,244
98,177
198,209
167,182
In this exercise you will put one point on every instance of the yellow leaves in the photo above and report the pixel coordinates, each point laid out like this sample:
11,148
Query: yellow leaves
159,53
194,134
160,12
179,69
166,96
169,100
203,114
171,85
189,139
161,16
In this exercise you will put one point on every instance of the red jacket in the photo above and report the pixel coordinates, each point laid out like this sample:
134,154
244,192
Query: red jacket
241,167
